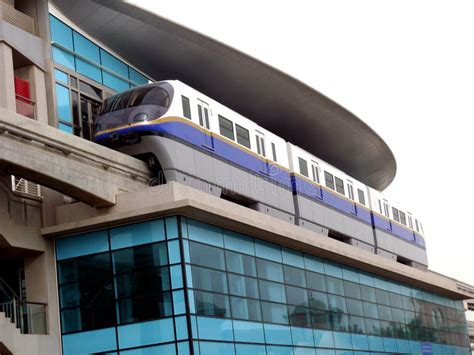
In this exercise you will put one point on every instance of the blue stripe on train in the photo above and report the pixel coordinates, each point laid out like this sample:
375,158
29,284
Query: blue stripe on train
213,145
317,193
238,156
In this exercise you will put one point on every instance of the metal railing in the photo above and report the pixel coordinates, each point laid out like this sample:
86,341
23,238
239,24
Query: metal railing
17,18
26,187
25,106
29,317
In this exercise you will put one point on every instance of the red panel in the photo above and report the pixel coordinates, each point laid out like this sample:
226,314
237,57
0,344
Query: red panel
22,88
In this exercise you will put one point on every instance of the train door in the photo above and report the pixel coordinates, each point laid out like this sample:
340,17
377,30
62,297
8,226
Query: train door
204,122
260,140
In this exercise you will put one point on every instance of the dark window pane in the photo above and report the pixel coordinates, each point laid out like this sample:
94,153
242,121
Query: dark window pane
316,281
141,257
370,310
226,127
85,268
274,154
243,136
243,308
272,291
396,216
211,304
140,309
299,316
367,293
303,167
339,185
243,286
90,90
357,325
209,280
352,289
186,107
372,326
88,318
87,293
240,263
206,255
318,300
354,307
385,313
339,321
361,195
396,300
320,319
149,95
334,285
274,313
337,304
294,276
403,218
297,296
382,297
329,178
408,303
140,283
269,270
398,315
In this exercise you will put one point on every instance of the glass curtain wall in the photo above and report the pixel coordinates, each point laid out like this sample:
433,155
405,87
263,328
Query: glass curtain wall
179,286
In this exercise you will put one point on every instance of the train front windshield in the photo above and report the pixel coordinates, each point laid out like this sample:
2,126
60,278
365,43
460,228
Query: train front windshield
139,105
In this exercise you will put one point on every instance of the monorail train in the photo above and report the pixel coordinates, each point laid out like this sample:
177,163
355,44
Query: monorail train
195,140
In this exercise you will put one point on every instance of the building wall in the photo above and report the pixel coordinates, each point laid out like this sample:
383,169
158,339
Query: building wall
244,296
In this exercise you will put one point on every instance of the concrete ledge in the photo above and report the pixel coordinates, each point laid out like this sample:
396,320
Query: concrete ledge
174,198
68,164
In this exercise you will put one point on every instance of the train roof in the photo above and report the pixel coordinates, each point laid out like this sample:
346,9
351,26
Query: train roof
271,98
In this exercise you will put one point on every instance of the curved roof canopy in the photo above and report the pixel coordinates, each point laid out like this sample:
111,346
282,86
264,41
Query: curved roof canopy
271,98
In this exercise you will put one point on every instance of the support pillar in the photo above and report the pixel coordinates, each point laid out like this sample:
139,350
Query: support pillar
7,78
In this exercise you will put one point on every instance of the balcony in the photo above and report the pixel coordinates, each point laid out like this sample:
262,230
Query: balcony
16,18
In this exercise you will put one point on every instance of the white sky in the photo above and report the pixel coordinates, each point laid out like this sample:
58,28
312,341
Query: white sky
406,68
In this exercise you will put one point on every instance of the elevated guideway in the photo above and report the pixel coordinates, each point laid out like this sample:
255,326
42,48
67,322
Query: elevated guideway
73,166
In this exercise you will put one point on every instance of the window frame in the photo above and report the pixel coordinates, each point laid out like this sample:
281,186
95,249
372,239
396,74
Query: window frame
221,131
246,140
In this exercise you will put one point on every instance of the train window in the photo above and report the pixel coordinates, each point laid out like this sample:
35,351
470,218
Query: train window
315,171
410,221
243,136
380,207
186,107
350,190
416,225
329,180
260,138
303,167
107,104
226,127
403,218
339,185
274,152
122,100
421,228
361,196
396,215
151,95
385,208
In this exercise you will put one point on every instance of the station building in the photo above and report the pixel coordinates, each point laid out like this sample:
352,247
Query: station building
96,260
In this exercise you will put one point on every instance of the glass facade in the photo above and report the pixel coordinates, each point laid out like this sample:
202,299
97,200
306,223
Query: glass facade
74,52
237,295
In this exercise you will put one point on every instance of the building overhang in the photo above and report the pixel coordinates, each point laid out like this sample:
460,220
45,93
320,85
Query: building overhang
284,105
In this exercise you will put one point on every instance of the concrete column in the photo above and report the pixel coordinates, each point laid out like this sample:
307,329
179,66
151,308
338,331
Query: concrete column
7,78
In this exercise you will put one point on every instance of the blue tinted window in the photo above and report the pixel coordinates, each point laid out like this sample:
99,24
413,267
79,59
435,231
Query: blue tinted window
238,242
293,257
269,270
113,64
313,263
114,82
277,334
171,227
86,48
63,58
176,276
63,103
174,252
245,308
250,349
181,325
240,263
274,313
60,76
332,269
65,128
205,255
83,244
168,349
342,340
136,234
279,350
147,333
248,332
323,338
215,329
60,33
89,70
267,251
272,291
179,302
243,286
209,280
90,342
136,77
205,233
302,336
